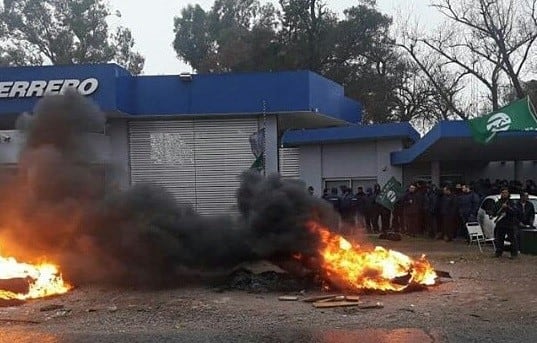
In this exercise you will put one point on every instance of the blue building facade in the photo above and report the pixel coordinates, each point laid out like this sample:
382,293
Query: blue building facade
189,133
114,89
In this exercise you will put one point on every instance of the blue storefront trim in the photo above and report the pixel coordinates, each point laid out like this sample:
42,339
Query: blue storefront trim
226,93
353,133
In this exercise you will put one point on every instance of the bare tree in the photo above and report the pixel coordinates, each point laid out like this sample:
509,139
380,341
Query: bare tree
488,41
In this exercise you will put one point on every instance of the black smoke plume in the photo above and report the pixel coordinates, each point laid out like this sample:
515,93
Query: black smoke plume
52,208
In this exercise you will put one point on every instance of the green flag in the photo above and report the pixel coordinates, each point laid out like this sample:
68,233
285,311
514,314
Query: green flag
389,193
517,116
258,163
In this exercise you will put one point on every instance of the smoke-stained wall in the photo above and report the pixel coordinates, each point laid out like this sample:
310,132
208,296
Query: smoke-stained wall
12,143
310,166
118,171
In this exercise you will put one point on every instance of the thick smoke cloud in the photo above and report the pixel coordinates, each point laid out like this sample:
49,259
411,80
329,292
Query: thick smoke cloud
53,208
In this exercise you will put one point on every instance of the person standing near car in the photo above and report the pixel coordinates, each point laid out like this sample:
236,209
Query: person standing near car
506,219
526,210
526,215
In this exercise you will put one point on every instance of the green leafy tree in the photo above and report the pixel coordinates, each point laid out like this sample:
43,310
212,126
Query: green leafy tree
308,33
356,51
235,35
63,32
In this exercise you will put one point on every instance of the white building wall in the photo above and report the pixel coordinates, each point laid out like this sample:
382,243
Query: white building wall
385,170
310,167
347,161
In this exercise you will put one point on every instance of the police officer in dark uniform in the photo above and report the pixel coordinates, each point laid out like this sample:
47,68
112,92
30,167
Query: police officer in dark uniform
526,215
506,219
334,199
359,204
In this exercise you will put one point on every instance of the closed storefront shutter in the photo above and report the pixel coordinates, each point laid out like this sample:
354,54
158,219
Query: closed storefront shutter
162,153
222,152
289,163
203,159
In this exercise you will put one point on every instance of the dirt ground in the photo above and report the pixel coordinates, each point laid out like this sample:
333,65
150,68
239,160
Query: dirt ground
487,300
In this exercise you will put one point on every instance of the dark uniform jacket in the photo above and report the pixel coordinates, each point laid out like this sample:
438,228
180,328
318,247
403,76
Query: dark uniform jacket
505,216
526,213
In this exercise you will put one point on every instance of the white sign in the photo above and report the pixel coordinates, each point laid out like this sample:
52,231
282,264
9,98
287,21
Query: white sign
39,88
498,122
170,148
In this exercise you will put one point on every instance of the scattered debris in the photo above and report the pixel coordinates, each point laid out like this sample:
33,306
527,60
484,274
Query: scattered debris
371,306
259,267
335,298
112,308
391,236
402,280
319,297
60,313
329,304
16,285
442,274
51,307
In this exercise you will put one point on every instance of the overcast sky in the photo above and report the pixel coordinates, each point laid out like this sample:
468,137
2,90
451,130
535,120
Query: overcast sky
152,25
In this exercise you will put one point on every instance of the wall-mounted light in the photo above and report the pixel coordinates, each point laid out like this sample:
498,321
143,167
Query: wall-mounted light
186,77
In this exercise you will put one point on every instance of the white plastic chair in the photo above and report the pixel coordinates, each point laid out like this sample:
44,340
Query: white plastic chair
475,234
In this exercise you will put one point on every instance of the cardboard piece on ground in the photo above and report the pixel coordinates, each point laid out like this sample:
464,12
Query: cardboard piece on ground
15,285
352,297
334,298
319,298
335,304
370,306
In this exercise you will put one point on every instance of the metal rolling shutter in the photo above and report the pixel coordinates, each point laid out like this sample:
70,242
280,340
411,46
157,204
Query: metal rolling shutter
198,161
289,164
162,152
222,152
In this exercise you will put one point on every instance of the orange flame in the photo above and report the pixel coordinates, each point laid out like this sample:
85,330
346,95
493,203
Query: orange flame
356,268
44,279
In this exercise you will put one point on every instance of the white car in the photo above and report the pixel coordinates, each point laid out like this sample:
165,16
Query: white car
486,222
